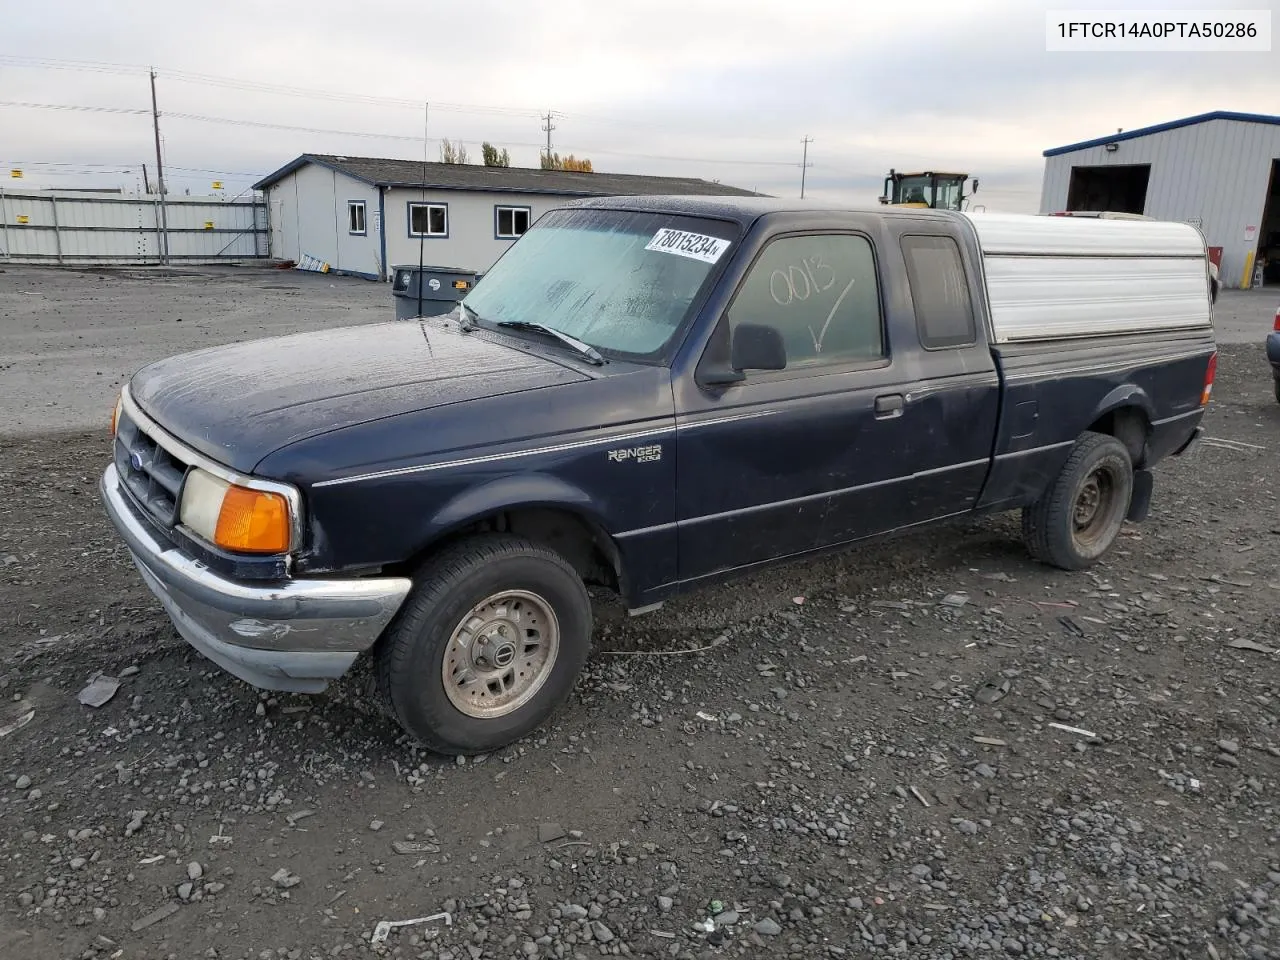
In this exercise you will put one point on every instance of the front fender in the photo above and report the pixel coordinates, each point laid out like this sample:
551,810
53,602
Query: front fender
509,493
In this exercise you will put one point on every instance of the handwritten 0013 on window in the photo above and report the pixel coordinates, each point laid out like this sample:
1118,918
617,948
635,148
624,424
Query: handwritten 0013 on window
797,283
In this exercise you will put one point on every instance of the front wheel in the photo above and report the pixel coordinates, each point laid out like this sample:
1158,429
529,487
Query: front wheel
1077,519
487,646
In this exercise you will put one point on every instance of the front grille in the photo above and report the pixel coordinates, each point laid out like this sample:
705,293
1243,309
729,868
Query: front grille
152,474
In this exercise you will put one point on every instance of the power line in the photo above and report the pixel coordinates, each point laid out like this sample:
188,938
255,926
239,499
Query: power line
71,106
221,173
262,124
256,86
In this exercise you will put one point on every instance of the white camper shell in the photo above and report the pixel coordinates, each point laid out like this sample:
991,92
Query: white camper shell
1050,278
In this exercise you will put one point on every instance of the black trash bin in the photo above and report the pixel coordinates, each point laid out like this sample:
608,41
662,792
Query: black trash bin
441,289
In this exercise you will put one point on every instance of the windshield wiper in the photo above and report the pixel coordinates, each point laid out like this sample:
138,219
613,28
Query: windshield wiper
465,325
588,351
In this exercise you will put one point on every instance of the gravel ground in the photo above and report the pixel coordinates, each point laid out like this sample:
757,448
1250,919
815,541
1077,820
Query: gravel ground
929,748
94,327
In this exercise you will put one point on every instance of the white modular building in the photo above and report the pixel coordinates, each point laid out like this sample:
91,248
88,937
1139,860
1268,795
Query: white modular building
1217,171
363,215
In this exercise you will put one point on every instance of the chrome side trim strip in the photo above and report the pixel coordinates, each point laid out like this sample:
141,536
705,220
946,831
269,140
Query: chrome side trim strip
291,494
1030,450
1180,416
493,457
693,424
757,507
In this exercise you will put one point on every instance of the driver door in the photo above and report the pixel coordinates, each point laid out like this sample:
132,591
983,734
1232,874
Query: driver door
761,461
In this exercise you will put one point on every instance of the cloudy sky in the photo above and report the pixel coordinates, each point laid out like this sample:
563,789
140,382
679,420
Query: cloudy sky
710,88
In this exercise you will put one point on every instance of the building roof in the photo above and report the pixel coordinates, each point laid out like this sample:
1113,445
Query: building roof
473,176
1161,127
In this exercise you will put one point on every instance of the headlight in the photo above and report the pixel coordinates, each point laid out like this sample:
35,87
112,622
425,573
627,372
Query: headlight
115,414
235,518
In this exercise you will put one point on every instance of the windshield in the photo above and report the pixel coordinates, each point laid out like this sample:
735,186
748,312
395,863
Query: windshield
948,197
916,190
620,281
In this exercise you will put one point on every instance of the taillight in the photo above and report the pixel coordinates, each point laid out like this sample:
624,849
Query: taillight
1276,325
1209,374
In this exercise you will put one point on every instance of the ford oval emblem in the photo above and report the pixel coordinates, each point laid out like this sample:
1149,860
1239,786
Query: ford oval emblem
135,460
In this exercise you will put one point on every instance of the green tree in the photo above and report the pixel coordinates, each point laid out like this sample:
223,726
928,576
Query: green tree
493,157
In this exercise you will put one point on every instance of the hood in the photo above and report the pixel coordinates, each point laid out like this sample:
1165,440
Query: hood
238,403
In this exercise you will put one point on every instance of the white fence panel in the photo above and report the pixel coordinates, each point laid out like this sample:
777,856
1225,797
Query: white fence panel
48,227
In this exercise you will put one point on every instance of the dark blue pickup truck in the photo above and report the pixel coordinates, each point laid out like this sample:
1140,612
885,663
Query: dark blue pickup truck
649,394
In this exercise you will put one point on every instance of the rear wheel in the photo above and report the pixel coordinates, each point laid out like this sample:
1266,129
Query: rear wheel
488,645
1277,386
1077,519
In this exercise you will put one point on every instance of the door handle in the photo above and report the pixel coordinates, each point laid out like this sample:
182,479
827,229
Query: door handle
889,405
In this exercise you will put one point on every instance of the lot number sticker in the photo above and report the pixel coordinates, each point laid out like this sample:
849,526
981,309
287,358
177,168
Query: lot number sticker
683,244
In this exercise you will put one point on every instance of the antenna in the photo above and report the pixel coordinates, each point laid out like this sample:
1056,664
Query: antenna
422,237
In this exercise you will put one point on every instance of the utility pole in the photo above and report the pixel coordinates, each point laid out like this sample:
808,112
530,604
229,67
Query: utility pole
804,163
164,214
548,126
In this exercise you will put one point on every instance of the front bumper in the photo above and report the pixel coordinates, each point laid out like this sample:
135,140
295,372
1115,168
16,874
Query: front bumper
297,635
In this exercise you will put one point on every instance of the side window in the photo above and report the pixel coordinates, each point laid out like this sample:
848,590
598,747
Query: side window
355,216
820,293
944,310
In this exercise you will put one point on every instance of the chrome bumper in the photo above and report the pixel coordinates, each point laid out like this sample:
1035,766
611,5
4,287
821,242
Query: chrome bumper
296,636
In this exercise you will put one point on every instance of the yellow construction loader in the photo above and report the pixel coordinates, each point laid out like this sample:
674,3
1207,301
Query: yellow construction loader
938,191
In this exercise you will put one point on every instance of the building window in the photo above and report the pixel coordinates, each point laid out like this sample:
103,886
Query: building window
428,219
511,222
355,217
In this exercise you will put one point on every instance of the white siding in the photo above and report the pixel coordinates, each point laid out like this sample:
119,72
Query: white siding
1216,172
1050,277
308,211
309,218
472,243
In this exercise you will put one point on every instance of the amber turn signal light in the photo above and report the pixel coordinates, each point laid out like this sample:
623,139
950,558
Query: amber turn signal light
252,521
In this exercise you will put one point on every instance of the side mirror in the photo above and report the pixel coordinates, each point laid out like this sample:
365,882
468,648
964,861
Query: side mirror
757,347
753,347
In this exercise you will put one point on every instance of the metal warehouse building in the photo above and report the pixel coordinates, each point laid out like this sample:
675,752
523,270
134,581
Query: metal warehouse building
362,215
1219,171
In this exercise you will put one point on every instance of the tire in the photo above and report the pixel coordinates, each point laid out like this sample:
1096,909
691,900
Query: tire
1277,386
443,680
1077,519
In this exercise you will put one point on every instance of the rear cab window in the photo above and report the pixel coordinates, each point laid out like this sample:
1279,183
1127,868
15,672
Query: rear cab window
939,291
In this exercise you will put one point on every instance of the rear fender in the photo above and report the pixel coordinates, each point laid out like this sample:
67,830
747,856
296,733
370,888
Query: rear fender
1126,395
1133,429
